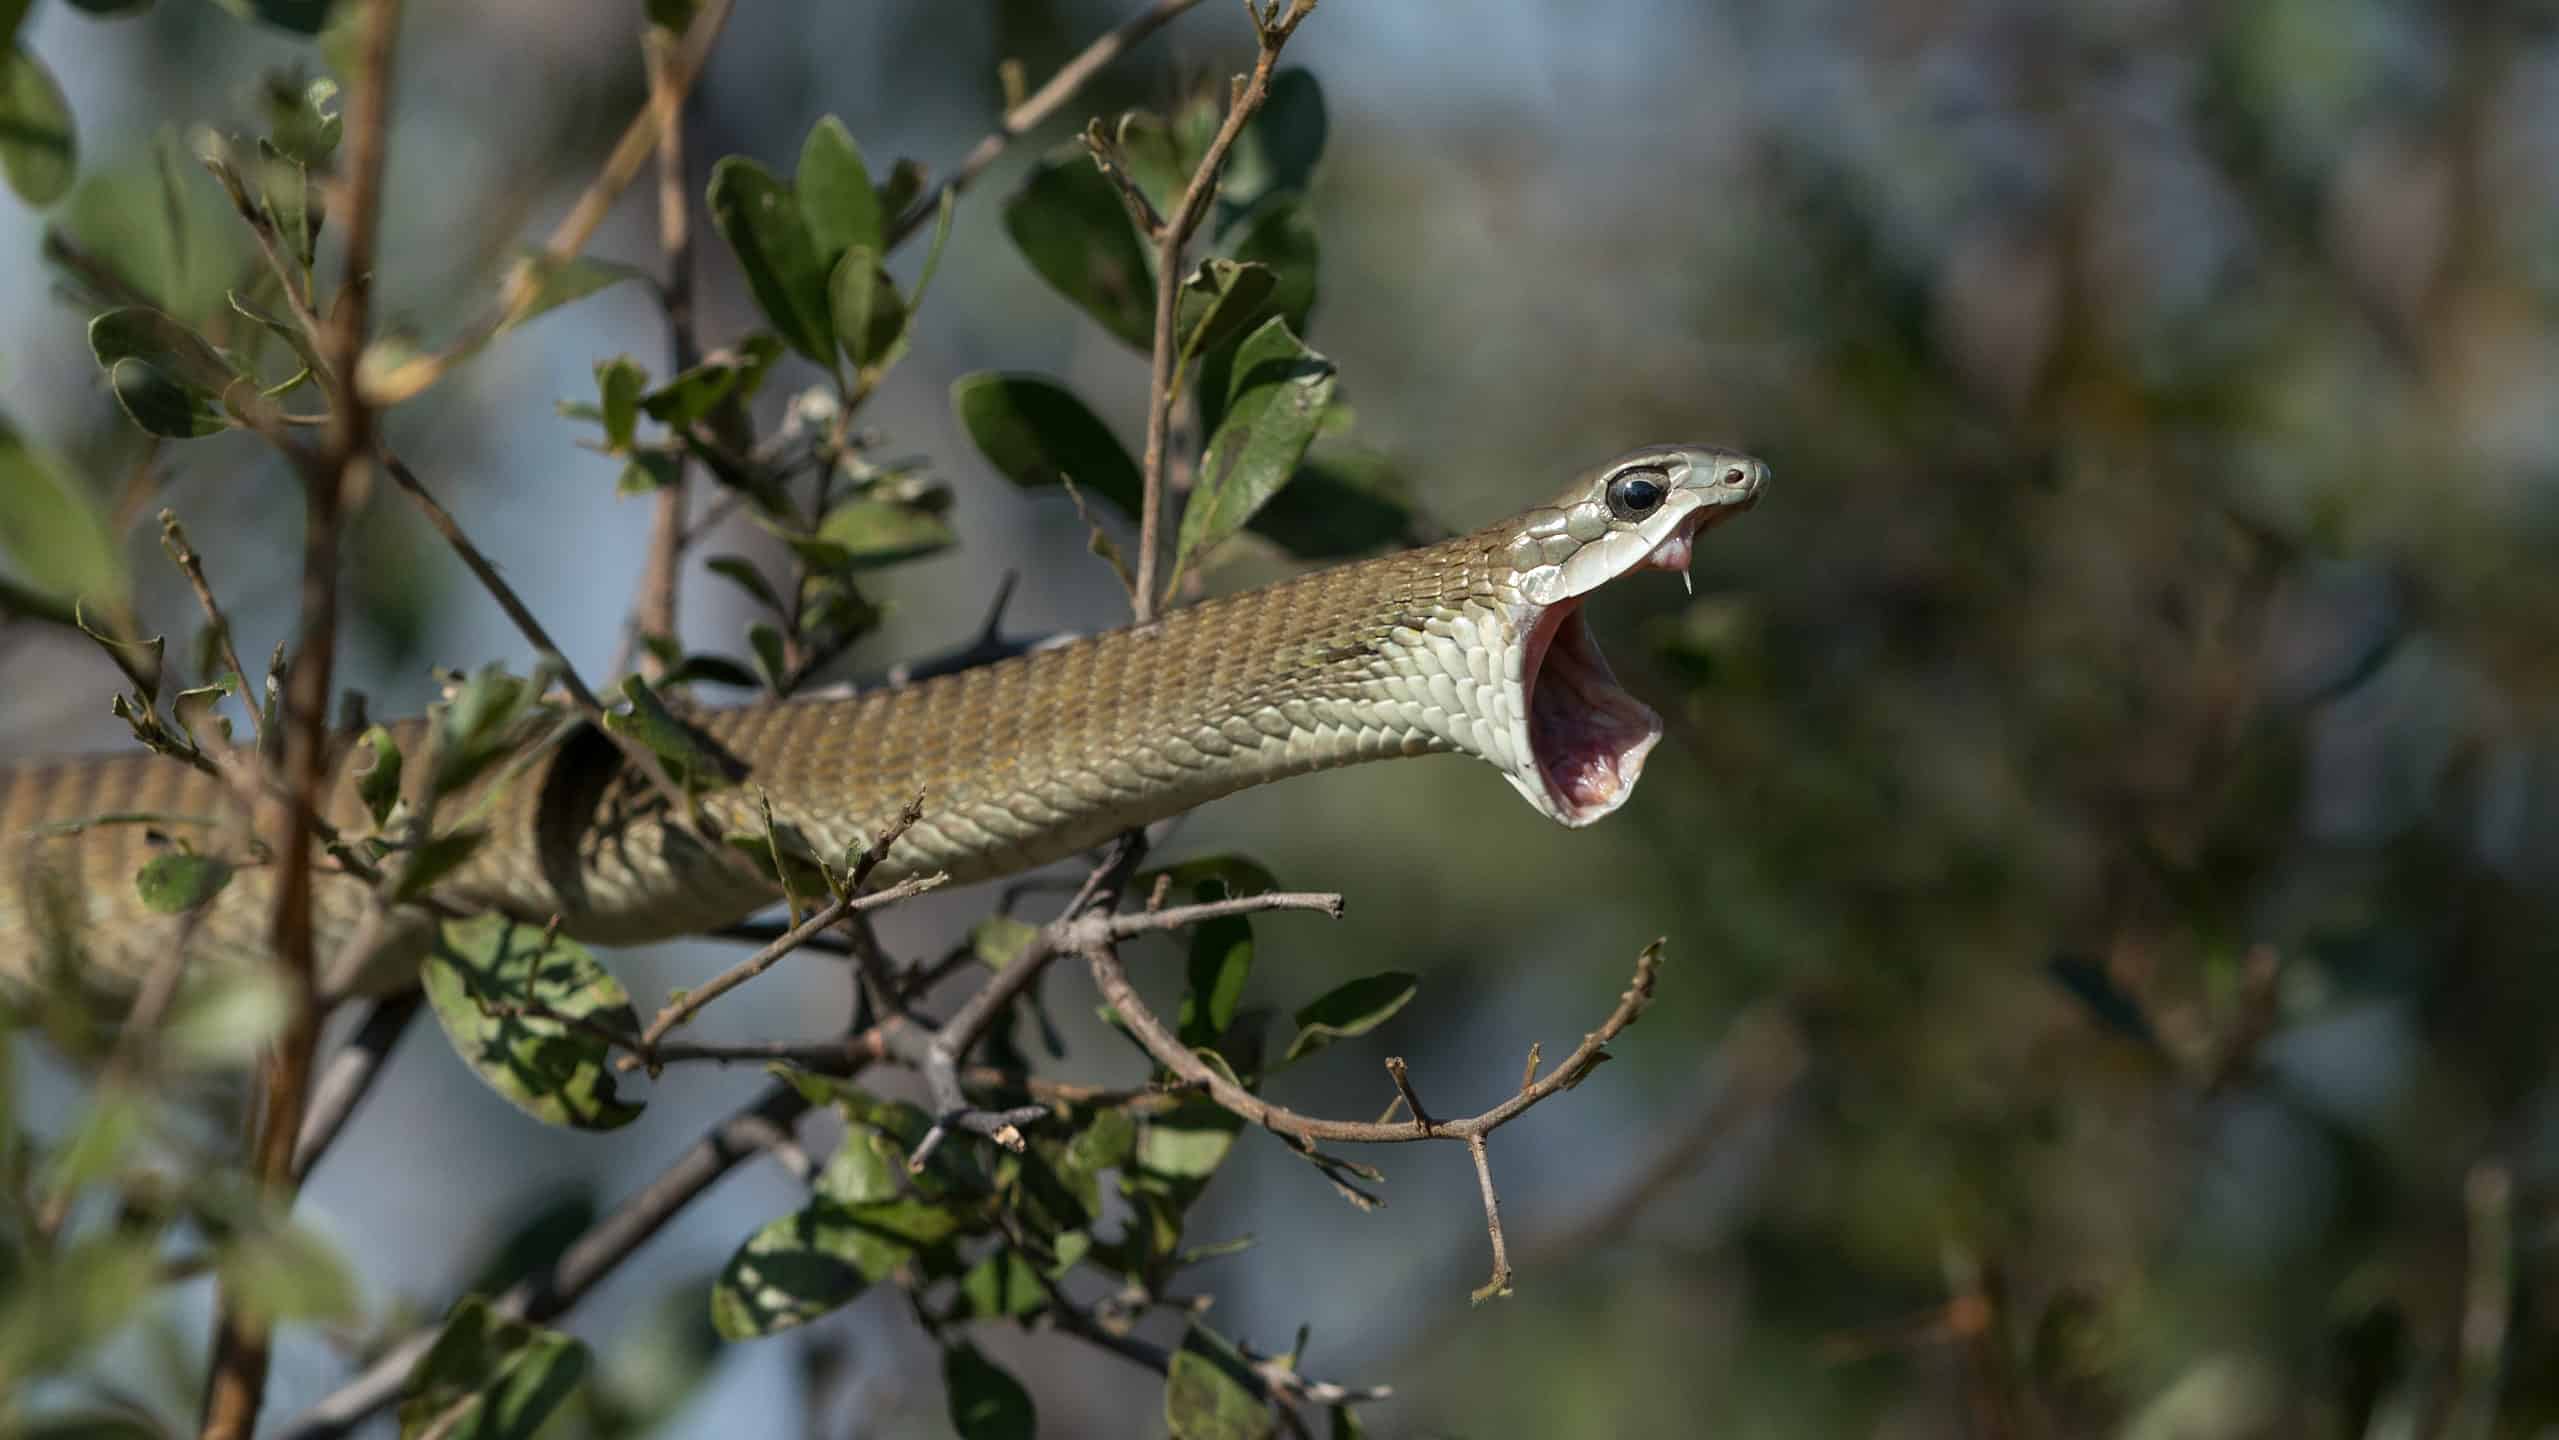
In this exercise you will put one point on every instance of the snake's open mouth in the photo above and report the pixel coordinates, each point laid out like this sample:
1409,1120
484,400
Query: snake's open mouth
1587,737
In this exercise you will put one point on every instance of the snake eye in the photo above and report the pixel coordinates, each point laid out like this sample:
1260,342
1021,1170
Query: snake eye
1636,494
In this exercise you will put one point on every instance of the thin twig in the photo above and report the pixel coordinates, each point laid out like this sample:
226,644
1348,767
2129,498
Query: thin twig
350,1076
173,538
1041,104
237,1385
942,1054
640,757
1169,244
1306,1130
678,1012
1500,1284
568,239
653,612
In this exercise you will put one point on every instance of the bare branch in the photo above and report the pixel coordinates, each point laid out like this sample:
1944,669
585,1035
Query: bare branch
1500,1284
834,912
653,610
350,1076
173,538
1042,103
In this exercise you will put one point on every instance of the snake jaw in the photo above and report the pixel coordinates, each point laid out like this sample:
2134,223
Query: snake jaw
1587,737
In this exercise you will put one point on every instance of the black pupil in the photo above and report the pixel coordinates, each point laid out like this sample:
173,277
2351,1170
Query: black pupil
1639,494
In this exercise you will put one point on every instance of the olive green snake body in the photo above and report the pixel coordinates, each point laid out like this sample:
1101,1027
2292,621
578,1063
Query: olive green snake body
1473,645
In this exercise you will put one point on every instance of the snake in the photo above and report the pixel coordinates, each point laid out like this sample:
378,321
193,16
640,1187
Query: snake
1475,645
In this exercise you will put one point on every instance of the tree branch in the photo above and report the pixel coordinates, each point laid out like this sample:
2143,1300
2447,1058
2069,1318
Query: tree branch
236,1387
1169,244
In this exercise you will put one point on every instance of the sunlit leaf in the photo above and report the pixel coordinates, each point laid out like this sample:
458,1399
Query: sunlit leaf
507,1001
564,282
1336,506
1353,1008
175,881
489,1378
1209,1393
618,383
807,1264
1219,300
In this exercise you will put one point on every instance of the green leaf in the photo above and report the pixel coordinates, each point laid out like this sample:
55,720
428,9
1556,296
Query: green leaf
1161,155
836,197
1069,222
1276,402
986,1402
505,998
439,857
280,1271
808,1264
1002,1286
1218,301
1036,432
141,333
224,1020
175,881
872,534
675,15
1188,1142
1350,1009
741,572
618,383
377,776
851,293
905,183
867,1167
1208,1393
303,120
1281,239
1346,1424
998,940
290,333
489,1378
560,282
1337,506
1278,150
770,658
651,470
284,189
37,152
760,218
50,531
481,724
653,725
161,405
59,1305
1221,959
693,395
1109,1140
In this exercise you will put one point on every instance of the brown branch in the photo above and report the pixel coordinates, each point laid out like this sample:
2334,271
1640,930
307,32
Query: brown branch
1305,1131
1039,106
653,612
942,1051
237,1385
1273,31
173,538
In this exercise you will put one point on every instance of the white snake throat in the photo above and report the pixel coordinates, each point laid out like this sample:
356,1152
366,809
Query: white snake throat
1474,645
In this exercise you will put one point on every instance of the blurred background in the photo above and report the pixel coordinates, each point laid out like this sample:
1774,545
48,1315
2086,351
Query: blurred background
2106,838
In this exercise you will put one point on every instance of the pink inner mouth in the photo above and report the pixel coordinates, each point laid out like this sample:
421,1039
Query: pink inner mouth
1588,736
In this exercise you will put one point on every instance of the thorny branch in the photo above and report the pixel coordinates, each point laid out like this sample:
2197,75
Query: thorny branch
1272,30
1305,1131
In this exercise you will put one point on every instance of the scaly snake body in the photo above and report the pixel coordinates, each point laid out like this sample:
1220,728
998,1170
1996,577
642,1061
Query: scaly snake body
1472,645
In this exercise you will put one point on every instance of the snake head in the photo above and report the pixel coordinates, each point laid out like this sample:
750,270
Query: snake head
1586,737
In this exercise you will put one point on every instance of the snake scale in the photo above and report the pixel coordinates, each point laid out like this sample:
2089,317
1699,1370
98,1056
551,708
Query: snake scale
1474,645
